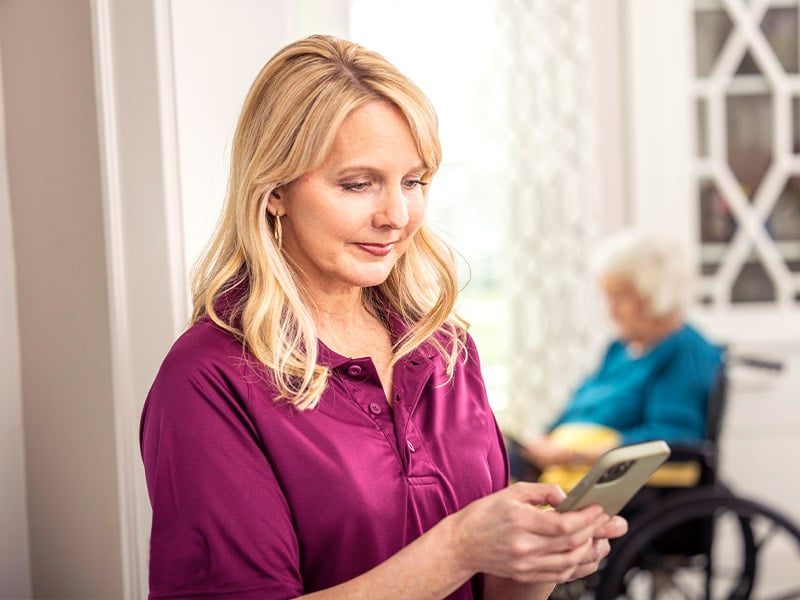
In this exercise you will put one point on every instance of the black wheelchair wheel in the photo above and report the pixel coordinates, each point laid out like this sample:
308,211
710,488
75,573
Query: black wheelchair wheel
746,544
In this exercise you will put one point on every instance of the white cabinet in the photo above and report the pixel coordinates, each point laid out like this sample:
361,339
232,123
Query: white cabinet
715,153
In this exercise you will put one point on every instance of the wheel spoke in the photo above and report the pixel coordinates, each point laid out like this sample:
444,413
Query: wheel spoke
774,529
745,539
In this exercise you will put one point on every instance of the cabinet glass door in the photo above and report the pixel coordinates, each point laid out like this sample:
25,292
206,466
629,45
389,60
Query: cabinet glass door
746,90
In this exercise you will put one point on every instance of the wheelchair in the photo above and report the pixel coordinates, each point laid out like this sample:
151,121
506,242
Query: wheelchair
693,538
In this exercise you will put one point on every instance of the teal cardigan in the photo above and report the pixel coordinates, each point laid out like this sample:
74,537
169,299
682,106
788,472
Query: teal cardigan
661,394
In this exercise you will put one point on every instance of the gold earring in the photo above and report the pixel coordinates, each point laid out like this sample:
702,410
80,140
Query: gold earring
277,230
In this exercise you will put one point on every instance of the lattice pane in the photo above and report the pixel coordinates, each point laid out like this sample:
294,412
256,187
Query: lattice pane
796,125
749,132
712,28
783,224
753,284
747,114
780,29
784,221
717,223
701,108
748,66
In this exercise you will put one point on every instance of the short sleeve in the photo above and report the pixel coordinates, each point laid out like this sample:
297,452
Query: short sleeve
221,525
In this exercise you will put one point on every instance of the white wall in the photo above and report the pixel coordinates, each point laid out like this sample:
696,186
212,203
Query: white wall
212,79
55,203
14,552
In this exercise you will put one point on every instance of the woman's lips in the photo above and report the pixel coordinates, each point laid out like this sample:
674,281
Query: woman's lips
376,249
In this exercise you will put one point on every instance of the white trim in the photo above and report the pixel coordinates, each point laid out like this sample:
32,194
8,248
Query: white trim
660,110
748,325
173,204
134,572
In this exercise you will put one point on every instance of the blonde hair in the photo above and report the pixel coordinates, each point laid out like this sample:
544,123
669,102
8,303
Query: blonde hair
286,128
655,265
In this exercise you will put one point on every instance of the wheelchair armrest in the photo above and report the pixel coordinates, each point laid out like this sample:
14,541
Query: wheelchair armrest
685,466
704,451
688,465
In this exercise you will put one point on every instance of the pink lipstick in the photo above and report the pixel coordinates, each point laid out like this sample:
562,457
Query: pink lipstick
376,249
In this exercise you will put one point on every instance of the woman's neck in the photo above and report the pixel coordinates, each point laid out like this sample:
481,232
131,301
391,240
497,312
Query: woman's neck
349,326
657,330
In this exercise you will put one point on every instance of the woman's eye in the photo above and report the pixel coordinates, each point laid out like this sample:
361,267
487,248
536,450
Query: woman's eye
415,183
355,187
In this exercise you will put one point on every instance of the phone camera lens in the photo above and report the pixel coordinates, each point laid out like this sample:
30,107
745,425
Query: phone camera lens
615,472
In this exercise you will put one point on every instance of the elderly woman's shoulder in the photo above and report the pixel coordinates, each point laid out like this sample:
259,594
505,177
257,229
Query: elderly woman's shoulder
694,346
690,333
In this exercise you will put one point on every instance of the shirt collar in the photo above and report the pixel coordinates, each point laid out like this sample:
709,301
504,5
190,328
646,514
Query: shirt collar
397,326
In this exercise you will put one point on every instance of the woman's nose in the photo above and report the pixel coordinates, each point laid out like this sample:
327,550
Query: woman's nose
393,211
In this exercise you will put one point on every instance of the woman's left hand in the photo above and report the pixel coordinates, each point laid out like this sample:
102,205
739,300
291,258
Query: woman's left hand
614,528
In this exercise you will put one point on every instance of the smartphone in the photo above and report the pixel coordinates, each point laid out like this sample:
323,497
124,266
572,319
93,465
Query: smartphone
616,476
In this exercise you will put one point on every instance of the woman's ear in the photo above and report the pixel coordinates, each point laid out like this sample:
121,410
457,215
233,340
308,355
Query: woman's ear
275,202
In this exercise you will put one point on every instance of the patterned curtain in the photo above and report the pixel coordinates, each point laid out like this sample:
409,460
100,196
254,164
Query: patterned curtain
556,317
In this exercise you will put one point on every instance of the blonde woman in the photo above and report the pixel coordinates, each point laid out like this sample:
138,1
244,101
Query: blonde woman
322,427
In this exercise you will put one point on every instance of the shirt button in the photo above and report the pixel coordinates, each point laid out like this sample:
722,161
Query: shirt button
374,409
354,370
410,446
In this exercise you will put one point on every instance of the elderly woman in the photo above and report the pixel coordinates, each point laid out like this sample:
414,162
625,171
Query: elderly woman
654,380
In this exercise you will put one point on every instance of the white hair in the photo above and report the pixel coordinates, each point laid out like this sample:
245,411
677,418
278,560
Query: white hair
655,265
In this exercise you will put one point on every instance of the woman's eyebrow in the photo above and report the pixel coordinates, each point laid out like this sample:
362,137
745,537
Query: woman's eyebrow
367,168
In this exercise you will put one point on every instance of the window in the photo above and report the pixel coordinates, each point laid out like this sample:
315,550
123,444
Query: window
511,83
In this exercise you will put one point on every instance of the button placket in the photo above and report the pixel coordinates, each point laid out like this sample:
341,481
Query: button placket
365,390
412,379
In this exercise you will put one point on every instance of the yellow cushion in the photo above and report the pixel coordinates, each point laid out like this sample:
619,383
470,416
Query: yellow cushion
585,436
580,437
566,477
676,474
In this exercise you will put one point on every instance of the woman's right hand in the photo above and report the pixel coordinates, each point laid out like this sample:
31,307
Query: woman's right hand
509,534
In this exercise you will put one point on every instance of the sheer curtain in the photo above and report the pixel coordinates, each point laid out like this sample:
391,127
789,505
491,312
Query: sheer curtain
511,81
552,203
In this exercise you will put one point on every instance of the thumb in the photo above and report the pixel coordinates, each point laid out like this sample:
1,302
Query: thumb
538,493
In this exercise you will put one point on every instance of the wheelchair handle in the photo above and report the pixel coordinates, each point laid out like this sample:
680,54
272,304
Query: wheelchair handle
757,363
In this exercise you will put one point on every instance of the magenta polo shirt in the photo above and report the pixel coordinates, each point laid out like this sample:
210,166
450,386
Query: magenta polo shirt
253,498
